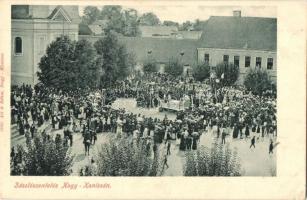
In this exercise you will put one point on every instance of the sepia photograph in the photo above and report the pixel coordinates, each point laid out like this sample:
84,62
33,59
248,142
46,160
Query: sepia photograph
131,91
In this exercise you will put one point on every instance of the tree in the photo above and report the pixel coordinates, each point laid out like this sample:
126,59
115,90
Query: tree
131,23
149,19
56,65
122,158
201,72
216,161
174,67
85,55
91,14
114,17
46,157
186,26
150,66
67,65
199,25
257,81
170,23
227,72
117,62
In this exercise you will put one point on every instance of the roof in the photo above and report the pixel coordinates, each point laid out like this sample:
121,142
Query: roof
158,31
20,12
95,29
97,26
84,30
240,33
161,49
189,34
44,12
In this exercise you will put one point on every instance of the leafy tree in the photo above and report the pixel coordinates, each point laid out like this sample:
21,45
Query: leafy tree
216,161
86,74
201,72
117,62
149,19
131,23
57,64
170,23
227,72
122,158
45,157
186,26
199,25
257,81
114,17
68,64
174,67
91,14
150,66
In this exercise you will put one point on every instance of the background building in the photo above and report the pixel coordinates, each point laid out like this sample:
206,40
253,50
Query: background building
244,41
247,42
34,27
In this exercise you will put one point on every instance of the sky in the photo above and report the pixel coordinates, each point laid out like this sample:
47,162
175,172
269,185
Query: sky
183,13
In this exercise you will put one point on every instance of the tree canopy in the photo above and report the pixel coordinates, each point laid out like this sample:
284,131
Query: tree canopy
44,156
122,158
150,66
257,81
149,19
91,14
68,65
116,62
214,161
124,21
174,67
170,23
201,72
228,73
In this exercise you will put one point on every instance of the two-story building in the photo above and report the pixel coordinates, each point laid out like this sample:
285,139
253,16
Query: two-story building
247,42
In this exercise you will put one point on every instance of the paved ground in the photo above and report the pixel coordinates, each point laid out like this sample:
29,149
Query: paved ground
255,162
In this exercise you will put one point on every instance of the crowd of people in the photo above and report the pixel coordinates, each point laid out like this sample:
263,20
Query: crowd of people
227,111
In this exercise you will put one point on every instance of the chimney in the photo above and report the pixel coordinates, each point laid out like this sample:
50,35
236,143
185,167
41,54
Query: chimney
237,13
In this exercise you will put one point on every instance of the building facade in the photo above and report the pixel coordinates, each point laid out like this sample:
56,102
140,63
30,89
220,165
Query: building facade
33,29
247,42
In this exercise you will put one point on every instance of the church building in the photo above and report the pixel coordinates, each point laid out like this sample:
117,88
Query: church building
34,27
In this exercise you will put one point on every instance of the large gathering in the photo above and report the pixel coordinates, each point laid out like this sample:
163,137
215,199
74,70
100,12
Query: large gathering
95,108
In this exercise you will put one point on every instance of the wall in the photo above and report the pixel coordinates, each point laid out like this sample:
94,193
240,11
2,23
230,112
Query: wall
21,65
216,56
36,35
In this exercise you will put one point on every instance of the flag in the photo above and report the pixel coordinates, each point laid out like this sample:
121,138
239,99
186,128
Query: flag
222,76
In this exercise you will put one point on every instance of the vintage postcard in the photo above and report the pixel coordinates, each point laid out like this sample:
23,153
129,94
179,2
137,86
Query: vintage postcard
153,100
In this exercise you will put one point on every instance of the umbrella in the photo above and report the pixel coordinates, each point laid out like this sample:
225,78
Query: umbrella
179,121
195,134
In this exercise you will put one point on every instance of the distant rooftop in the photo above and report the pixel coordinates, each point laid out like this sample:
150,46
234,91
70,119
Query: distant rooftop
240,33
158,31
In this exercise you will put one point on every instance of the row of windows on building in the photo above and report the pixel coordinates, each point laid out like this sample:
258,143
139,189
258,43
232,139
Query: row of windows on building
236,61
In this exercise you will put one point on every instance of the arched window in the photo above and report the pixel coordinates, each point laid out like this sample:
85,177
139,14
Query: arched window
18,45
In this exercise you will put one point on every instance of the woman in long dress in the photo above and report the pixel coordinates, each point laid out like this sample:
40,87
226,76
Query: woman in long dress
119,127
246,131
235,132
